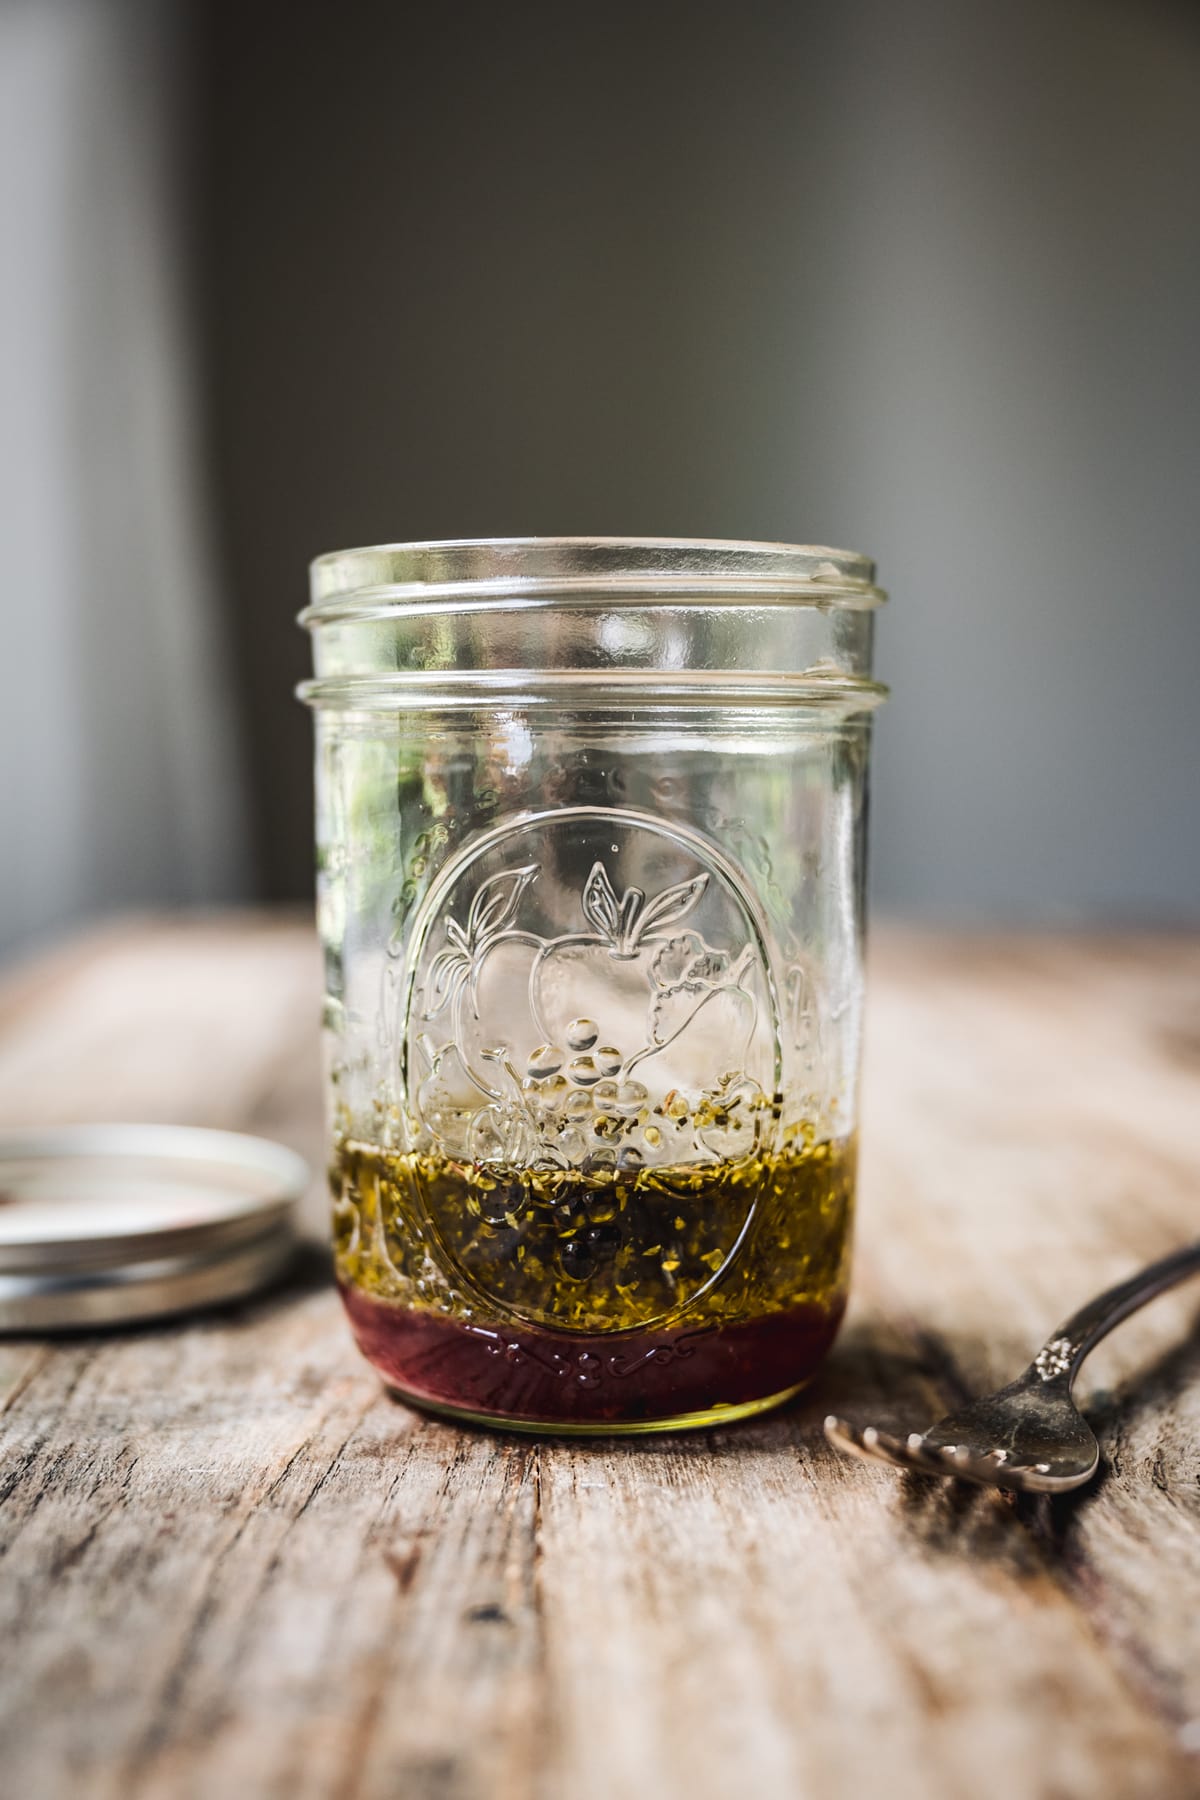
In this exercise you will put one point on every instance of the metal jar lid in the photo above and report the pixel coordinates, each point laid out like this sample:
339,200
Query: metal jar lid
110,1224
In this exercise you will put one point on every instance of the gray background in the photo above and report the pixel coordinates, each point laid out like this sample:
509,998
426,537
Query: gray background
920,277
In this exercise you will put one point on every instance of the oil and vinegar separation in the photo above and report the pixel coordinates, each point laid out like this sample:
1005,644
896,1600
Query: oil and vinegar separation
612,1297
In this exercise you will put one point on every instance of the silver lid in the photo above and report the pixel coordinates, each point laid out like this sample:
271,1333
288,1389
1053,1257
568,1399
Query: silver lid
109,1224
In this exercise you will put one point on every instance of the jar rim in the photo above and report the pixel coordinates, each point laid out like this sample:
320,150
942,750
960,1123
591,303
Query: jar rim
454,572
613,690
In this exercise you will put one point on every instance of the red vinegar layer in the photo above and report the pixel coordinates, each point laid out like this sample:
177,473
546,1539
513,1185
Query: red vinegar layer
527,1375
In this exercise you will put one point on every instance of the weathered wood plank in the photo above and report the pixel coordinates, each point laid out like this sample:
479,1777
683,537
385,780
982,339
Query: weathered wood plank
228,1564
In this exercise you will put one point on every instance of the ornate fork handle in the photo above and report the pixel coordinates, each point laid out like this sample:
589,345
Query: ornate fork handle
1066,1348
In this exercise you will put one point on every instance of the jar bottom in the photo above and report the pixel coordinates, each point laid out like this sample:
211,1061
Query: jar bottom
523,1378
693,1421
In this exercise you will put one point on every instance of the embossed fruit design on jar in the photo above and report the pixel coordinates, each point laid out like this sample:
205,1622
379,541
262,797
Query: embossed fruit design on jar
593,1053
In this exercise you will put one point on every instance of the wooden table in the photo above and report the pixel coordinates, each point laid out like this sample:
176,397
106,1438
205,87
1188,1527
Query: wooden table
233,1567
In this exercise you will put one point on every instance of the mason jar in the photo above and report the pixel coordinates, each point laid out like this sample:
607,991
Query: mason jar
590,837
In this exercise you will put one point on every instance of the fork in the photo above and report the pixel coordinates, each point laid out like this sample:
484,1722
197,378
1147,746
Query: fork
1029,1436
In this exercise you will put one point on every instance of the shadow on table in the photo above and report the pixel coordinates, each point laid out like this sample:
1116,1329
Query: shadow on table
310,1270
958,1518
900,1388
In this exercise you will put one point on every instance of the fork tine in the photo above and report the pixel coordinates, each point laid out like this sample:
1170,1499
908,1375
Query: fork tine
922,1455
868,1443
987,1468
911,1453
990,1468
844,1436
892,1448
961,1462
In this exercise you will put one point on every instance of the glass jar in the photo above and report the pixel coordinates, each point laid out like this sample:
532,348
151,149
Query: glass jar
591,854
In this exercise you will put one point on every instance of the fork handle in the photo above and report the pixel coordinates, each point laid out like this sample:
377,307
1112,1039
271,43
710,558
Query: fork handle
1066,1348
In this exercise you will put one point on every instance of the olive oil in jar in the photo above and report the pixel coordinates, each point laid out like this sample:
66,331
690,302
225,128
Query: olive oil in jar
538,1292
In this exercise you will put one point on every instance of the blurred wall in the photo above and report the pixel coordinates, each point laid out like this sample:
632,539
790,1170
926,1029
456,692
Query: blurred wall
921,278
117,730
917,276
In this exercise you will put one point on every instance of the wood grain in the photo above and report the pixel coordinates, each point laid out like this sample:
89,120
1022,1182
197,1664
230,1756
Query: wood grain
230,1566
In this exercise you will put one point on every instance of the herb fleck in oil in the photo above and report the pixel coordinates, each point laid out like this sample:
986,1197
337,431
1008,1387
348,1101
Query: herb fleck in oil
611,1297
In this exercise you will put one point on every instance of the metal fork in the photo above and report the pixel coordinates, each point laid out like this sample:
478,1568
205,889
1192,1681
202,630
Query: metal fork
1030,1436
